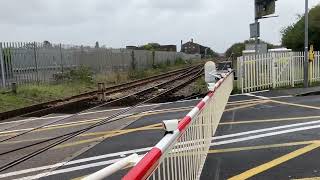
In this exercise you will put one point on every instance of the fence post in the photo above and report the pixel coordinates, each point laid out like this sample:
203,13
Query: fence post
273,70
2,67
240,73
292,66
153,58
61,58
35,61
133,61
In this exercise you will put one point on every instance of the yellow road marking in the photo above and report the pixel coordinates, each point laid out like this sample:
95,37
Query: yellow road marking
244,101
312,178
108,133
214,151
271,120
78,178
125,131
159,124
246,106
295,104
55,126
91,121
115,132
254,171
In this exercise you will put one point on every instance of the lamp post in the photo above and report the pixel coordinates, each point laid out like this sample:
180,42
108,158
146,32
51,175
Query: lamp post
256,21
306,45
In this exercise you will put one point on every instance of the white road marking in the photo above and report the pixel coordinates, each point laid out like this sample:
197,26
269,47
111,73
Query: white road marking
260,97
264,135
251,93
92,112
75,162
267,98
76,168
97,119
278,97
142,150
148,148
34,119
265,129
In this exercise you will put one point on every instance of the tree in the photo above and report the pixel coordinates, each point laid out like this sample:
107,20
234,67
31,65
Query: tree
47,44
97,45
212,53
237,48
293,35
151,46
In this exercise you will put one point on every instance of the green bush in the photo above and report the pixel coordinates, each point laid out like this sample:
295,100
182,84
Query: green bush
200,86
237,48
137,74
81,74
179,61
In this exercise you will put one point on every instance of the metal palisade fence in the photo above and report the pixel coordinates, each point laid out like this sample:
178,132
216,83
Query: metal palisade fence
32,62
273,70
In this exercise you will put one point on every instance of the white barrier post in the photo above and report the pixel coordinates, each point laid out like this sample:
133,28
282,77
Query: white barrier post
210,74
106,172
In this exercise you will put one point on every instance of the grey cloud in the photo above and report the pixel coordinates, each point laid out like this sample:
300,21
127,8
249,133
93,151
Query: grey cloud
116,23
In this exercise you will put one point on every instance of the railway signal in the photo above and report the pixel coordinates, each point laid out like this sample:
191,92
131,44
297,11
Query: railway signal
264,8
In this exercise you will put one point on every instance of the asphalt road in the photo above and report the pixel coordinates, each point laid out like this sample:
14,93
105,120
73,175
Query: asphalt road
266,135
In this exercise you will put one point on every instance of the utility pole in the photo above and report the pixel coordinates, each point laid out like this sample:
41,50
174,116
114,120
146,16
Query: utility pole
256,21
306,46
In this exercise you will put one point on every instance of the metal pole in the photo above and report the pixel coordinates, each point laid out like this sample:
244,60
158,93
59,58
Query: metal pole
61,58
256,23
2,68
35,61
306,45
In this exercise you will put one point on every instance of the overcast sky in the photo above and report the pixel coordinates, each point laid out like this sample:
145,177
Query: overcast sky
117,23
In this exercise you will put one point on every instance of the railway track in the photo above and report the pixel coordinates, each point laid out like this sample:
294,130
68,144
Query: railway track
145,95
84,101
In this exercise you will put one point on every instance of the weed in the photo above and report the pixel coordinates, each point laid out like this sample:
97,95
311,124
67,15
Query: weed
200,86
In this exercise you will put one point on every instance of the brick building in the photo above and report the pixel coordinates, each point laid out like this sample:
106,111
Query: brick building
194,48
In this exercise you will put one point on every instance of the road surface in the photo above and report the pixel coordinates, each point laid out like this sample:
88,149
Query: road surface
264,135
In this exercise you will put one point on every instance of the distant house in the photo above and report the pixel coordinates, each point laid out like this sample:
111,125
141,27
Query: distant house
194,48
155,47
132,47
167,48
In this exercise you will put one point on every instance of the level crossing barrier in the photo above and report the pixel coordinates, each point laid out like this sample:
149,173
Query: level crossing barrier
181,153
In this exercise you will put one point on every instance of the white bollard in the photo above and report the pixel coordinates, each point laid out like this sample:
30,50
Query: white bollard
210,73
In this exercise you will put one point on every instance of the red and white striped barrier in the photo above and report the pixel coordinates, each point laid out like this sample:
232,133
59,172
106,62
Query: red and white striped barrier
182,153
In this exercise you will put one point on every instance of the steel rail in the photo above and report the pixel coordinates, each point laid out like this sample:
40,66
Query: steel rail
103,104
47,107
109,119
